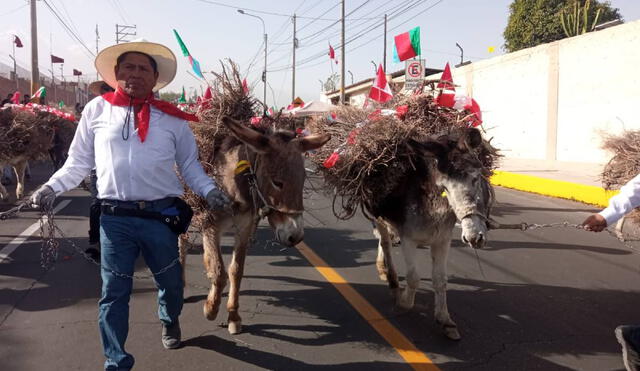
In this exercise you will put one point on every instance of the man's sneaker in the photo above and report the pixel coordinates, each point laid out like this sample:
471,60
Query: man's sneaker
171,335
629,338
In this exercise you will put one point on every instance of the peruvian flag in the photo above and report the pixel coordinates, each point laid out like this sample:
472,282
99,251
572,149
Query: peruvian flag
446,81
380,91
332,54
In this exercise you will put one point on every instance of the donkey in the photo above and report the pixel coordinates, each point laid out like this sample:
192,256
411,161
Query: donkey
448,183
263,174
19,164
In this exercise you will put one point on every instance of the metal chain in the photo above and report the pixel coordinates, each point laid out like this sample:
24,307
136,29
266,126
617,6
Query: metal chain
13,211
50,246
532,226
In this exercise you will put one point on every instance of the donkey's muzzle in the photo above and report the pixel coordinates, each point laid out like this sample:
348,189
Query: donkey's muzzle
476,241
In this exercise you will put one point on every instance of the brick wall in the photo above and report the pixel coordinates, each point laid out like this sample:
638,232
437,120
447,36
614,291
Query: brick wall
64,93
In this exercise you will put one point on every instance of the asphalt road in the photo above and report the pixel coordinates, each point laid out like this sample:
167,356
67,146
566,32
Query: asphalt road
545,299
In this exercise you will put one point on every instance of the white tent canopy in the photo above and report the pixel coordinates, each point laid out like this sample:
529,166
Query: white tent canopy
312,108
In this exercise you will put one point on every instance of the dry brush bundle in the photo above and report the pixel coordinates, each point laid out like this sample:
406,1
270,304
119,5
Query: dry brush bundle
228,99
24,132
625,163
375,154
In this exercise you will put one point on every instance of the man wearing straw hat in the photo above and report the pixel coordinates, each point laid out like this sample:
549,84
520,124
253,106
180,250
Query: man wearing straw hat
134,141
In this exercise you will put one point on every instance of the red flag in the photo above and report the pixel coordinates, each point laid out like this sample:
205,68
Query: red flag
332,54
55,59
380,91
207,93
245,86
446,100
331,160
76,72
17,41
446,81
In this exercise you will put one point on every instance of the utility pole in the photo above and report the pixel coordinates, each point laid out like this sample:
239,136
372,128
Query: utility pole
97,40
35,78
295,45
342,58
122,31
15,69
264,75
384,57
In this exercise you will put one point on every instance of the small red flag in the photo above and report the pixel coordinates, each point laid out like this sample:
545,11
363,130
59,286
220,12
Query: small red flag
245,86
17,41
332,54
446,81
207,93
380,91
446,100
76,72
331,160
55,59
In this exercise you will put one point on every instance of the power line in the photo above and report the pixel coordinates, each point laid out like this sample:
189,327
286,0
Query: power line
68,29
361,33
312,58
260,11
114,5
14,10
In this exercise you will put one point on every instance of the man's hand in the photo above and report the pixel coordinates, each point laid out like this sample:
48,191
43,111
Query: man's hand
43,197
217,200
595,223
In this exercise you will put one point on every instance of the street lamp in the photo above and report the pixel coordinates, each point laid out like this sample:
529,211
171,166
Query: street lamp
264,71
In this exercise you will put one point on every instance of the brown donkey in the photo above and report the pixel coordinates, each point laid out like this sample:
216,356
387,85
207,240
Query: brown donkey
263,174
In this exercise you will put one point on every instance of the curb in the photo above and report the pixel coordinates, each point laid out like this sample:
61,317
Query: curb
592,195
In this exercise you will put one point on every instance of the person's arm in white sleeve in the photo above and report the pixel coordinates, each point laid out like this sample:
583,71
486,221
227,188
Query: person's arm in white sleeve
622,203
81,157
188,164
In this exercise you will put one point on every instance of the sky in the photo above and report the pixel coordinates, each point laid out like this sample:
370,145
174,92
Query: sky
213,30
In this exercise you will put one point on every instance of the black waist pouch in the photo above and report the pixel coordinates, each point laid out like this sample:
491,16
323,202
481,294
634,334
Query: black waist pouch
177,216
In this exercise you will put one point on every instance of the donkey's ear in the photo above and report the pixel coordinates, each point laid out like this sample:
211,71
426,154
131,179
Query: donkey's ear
430,147
471,139
311,142
258,142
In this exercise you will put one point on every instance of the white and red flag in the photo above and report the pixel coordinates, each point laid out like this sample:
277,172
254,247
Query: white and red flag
380,91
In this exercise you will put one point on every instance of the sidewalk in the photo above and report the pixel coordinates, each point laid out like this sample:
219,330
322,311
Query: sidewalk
569,180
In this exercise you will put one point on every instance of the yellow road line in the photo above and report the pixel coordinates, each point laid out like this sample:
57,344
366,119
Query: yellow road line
417,359
555,188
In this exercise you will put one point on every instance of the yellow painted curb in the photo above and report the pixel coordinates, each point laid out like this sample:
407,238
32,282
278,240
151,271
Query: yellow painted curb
555,188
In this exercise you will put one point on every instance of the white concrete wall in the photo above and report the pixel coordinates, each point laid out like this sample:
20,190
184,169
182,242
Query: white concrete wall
554,101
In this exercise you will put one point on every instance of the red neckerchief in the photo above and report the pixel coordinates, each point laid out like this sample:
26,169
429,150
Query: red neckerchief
120,98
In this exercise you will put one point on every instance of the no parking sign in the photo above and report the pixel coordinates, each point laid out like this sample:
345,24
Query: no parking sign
413,74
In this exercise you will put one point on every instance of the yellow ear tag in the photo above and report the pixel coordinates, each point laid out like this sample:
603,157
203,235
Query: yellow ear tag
242,166
443,194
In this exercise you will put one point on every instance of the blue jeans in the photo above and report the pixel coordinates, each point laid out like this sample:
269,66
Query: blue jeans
122,239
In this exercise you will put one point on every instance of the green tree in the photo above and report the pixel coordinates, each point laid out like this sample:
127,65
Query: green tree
535,22
170,96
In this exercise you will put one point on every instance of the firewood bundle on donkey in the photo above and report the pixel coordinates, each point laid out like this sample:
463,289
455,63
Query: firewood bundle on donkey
260,167
32,132
623,166
413,171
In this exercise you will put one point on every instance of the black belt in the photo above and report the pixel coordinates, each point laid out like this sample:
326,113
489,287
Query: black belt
172,211
156,205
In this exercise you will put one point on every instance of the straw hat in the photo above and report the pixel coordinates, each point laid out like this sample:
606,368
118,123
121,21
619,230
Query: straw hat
96,87
164,57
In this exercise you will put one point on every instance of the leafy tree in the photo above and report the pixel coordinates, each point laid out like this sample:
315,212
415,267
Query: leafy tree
535,22
170,96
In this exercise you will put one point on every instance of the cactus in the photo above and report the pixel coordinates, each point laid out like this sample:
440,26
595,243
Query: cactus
577,22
